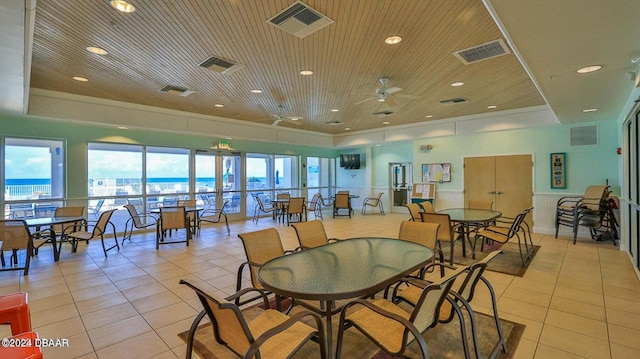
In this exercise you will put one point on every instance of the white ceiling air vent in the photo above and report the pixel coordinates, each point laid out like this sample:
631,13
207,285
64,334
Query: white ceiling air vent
223,66
453,101
175,90
300,20
482,52
383,113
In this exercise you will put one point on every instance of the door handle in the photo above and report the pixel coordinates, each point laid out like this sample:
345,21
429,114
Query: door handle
499,192
492,192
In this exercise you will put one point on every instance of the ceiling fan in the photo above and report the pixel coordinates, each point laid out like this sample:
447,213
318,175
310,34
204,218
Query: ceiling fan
280,118
384,93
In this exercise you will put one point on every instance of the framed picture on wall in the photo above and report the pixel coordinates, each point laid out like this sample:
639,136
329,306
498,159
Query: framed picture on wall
559,170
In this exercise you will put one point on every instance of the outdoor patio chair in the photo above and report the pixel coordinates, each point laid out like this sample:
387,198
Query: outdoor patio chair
503,231
272,334
427,207
424,234
392,328
259,247
95,210
172,218
43,238
138,221
570,208
73,235
311,234
373,202
414,211
342,202
315,206
213,215
296,210
262,208
446,231
480,204
460,295
15,236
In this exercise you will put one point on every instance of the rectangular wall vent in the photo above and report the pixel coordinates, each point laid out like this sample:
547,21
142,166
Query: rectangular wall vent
584,135
175,90
485,51
300,20
453,101
223,66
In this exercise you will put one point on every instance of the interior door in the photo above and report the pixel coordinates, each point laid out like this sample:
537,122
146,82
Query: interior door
401,183
505,180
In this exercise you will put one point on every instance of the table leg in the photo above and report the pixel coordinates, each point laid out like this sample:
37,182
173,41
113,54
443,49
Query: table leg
56,252
328,305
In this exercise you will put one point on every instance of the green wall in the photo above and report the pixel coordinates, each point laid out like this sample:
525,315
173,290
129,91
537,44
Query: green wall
586,165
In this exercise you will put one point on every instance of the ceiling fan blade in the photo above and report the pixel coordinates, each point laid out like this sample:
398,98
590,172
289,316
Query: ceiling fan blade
276,122
297,122
392,90
363,101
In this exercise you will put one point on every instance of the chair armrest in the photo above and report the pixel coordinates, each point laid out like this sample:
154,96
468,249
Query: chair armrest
244,291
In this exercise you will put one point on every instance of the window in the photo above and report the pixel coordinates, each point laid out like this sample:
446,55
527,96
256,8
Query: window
33,177
167,171
320,176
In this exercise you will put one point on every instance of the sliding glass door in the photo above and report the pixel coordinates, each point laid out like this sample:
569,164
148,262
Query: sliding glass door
218,179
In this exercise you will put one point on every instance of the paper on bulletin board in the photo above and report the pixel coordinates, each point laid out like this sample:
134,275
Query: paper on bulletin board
424,190
436,172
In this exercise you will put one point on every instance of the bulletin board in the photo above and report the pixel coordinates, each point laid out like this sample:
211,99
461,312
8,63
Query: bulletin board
436,172
424,190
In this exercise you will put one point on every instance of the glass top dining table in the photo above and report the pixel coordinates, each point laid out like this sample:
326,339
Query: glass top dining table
49,222
467,217
350,268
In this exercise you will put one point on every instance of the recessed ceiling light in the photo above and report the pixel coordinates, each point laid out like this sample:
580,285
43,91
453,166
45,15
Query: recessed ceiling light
256,91
587,69
97,50
347,128
334,110
457,84
80,78
492,106
392,40
306,72
428,116
122,6
123,128
218,105
378,145
294,119
590,110
381,99
228,138
385,123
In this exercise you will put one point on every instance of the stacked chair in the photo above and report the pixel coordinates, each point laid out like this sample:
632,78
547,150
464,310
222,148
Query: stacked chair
593,211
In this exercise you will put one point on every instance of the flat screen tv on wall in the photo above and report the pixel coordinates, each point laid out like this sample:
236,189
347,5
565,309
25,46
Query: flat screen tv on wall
350,161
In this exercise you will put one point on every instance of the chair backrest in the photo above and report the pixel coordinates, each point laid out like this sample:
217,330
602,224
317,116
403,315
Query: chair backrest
340,192
466,286
444,230
173,218
135,216
15,234
517,223
342,200
97,207
427,309
101,225
311,234
283,195
414,211
592,197
187,202
229,326
170,201
419,232
314,202
427,207
480,204
296,205
260,247
72,211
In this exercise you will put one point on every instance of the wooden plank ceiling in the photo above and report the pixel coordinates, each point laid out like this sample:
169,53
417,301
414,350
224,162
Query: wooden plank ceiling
163,42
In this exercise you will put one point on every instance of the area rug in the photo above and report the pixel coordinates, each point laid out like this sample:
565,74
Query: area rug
508,262
443,341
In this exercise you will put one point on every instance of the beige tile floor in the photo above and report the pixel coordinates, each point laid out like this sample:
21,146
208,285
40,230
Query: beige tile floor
577,301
